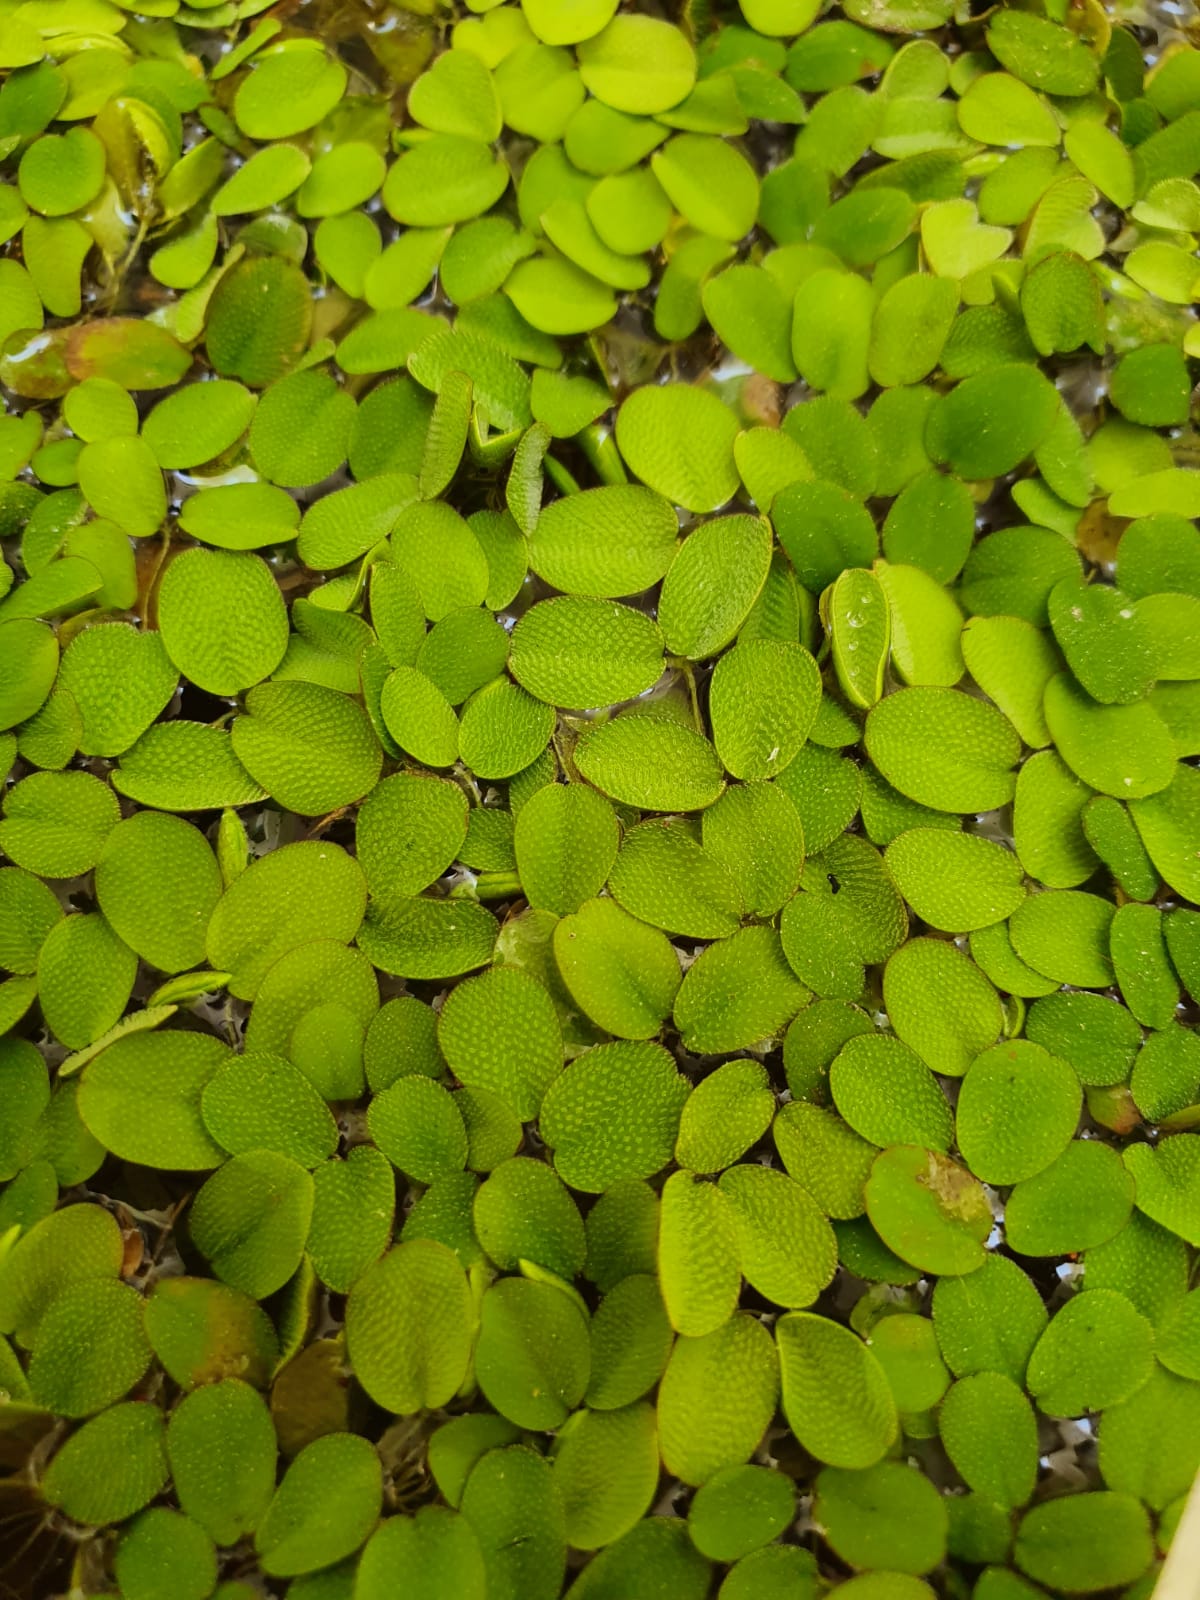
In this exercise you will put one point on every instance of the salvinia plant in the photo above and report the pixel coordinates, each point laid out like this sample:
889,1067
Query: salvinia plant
600,829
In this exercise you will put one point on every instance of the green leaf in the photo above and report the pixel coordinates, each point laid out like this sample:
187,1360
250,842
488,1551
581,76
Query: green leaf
287,91
346,175
514,1506
408,1327
965,765
409,830
185,766
250,1221
755,831
458,1445
1165,823
310,747
831,332
712,583
524,1213
848,912
1097,1037
574,544
763,700
199,422
447,178
631,1341
955,882
297,893
417,1126
740,1510
905,1346
1012,662
111,1467
157,883
638,64
26,1096
778,1570
725,1114
1148,1442
353,1205
91,1348
865,225
1043,53
28,663
121,678
992,422
259,320
679,441
769,1207
739,992
570,23
887,1095
326,1504
914,305
240,516
463,652
613,1115
203,1331
650,762
824,531
347,523
607,1469
28,911
621,973
419,718
750,312
1011,573
1065,931
1107,643
301,428
457,95
990,1406
825,1156
532,1359
999,109
1166,1074
579,652
499,1032
261,1102
886,1514
141,1098
928,1210
435,1552
698,1258
425,938
1017,1110
1102,159
716,1398
557,297
165,1547
221,1448
85,977
566,842
1096,1352
1086,1542
1080,1200
836,1397
504,729
1166,1183
988,1321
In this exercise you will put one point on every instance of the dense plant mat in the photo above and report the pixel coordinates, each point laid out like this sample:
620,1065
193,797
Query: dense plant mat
599,685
